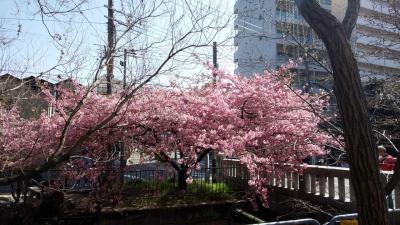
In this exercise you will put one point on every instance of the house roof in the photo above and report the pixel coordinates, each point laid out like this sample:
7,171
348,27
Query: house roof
40,80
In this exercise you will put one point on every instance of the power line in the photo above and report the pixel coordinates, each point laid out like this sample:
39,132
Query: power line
51,20
25,32
91,25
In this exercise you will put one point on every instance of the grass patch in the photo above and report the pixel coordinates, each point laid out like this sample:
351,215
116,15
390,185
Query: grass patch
145,194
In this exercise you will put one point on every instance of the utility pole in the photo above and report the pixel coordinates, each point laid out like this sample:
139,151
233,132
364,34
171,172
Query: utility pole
110,71
124,63
110,46
215,61
213,153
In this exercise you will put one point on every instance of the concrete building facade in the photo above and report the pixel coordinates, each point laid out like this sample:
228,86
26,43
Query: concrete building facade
378,39
270,32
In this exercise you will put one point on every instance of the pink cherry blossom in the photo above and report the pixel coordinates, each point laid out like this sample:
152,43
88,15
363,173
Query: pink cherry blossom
259,120
189,180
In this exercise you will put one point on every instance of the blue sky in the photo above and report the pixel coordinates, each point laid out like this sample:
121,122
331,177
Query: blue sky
33,50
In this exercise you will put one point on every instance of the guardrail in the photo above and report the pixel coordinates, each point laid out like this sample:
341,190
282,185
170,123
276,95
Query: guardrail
319,184
332,184
394,217
292,222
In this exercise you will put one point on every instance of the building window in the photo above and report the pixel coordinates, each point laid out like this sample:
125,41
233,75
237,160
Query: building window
286,6
288,51
300,32
326,2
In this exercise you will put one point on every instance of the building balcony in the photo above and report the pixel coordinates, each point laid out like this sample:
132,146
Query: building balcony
379,61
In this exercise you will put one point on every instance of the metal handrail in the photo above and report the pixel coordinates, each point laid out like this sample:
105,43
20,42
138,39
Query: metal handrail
292,222
392,212
342,217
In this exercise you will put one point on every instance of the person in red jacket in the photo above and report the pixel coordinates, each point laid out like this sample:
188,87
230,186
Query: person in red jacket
386,161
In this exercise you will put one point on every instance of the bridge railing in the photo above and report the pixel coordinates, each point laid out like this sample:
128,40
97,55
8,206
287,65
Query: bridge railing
320,184
329,183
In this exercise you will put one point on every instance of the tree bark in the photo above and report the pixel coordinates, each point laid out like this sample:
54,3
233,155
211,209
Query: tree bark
181,169
182,185
360,147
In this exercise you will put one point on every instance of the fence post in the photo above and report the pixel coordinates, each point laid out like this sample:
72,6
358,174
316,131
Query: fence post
207,169
313,184
342,194
322,185
289,180
295,178
331,187
352,194
302,183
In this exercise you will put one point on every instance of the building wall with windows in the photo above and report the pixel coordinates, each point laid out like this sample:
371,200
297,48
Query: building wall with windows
378,39
26,94
270,32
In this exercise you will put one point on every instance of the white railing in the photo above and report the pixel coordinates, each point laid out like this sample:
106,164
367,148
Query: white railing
323,184
327,183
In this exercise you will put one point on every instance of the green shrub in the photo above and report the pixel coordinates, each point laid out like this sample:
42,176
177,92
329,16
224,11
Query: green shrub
208,188
167,193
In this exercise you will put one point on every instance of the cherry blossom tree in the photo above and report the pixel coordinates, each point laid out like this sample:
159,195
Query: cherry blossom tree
259,120
82,115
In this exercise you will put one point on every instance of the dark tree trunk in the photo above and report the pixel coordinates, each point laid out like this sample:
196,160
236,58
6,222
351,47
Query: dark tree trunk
360,146
16,190
182,185
181,169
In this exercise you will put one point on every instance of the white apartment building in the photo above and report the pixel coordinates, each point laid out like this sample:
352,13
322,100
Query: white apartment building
378,40
270,32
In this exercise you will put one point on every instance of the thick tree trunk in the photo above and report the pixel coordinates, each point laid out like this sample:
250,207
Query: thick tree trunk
182,185
360,146
181,169
16,190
